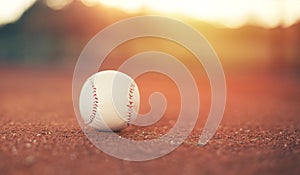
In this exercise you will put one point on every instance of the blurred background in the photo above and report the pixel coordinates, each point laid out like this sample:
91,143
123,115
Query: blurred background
257,41
247,35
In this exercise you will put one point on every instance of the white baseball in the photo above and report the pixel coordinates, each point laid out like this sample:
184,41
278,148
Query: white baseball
109,101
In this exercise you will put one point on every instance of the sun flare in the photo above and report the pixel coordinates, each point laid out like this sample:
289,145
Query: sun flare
229,13
11,11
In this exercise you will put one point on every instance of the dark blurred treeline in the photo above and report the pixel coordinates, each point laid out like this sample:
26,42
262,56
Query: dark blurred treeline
43,35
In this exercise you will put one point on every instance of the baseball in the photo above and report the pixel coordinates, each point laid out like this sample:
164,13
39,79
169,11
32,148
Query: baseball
109,101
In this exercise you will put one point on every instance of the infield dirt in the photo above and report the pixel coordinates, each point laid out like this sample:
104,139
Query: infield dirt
259,134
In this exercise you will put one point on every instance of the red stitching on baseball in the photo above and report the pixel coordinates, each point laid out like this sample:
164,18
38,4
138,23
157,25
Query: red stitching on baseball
130,102
95,103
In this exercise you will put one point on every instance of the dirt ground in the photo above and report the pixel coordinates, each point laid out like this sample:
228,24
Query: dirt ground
259,134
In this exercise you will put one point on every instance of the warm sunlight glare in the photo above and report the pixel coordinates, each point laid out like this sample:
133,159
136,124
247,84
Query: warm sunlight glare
57,4
11,10
229,13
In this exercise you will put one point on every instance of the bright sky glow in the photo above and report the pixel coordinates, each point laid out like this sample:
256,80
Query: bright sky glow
12,10
228,13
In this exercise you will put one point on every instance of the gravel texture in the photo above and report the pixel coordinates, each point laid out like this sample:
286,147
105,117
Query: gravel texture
259,134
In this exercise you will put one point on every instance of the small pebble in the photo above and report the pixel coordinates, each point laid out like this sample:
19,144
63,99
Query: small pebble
44,140
14,150
27,145
172,122
29,160
172,142
219,152
73,156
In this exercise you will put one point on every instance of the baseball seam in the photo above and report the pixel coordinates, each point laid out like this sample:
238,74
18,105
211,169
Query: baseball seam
95,103
130,102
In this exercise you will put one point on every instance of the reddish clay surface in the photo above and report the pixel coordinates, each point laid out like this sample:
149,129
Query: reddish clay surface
259,134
